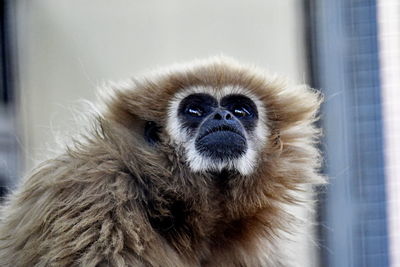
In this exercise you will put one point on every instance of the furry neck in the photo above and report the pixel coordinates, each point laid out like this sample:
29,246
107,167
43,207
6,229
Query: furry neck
201,218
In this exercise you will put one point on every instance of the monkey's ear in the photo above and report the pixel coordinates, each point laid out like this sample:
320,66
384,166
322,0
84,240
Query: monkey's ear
152,132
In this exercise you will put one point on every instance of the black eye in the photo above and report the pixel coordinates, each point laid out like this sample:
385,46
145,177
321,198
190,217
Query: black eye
241,111
194,111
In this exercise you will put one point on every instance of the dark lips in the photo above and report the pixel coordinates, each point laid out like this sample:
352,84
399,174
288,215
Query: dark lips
222,128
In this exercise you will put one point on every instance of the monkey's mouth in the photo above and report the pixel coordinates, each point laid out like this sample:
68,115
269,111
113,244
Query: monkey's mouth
221,143
221,128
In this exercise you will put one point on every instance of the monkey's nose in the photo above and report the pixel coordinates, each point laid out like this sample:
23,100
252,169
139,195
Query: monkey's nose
222,115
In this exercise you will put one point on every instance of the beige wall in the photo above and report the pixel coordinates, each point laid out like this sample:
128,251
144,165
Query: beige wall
67,48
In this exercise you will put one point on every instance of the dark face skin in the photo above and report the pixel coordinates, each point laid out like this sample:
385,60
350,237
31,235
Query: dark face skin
220,128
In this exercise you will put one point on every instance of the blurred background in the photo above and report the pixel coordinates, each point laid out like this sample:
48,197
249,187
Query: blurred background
54,53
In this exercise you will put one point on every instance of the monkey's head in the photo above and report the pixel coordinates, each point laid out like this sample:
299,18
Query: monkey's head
217,115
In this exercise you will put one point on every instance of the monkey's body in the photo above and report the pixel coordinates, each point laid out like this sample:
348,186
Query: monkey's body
116,199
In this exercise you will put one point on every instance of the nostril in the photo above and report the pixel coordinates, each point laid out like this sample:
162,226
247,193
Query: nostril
217,116
228,116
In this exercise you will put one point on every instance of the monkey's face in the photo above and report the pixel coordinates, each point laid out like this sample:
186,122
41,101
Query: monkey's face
218,128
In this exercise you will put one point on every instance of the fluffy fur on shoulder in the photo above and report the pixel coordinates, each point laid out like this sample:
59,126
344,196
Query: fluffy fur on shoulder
114,200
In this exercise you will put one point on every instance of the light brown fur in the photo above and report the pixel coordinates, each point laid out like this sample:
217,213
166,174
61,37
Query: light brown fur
97,203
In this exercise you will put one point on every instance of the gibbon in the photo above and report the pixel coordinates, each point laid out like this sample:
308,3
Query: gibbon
193,165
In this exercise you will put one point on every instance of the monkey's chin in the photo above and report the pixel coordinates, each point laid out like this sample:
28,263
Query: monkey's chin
243,165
